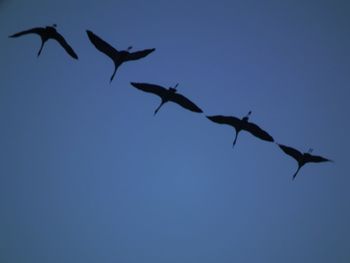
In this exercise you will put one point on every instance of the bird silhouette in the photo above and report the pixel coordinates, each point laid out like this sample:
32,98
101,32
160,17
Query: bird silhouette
242,124
118,57
45,34
302,158
166,95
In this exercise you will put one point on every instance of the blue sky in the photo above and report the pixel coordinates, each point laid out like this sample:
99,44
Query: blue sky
88,174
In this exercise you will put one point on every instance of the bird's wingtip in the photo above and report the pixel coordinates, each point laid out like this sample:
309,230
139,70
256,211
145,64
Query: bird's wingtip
89,33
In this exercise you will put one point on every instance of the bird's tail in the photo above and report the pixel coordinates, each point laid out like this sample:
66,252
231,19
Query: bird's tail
296,172
41,48
112,77
161,104
116,66
235,140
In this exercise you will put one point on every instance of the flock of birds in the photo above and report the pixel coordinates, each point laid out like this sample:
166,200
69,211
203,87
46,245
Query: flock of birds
169,94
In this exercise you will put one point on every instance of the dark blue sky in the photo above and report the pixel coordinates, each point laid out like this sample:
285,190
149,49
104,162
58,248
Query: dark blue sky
88,174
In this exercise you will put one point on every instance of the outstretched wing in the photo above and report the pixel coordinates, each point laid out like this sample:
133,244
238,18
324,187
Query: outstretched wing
65,45
315,158
151,88
257,131
228,120
184,102
140,54
291,152
102,45
35,30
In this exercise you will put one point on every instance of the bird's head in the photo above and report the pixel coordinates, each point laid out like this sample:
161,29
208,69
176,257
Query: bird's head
173,89
246,118
51,28
129,48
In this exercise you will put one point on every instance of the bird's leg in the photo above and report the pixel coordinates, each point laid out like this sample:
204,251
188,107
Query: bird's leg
235,140
41,47
161,104
295,174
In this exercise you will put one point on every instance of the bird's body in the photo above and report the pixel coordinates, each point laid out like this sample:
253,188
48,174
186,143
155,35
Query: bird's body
167,95
45,34
118,57
242,125
302,158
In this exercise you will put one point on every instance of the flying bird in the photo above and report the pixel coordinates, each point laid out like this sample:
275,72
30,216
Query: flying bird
302,158
166,95
118,57
242,124
45,34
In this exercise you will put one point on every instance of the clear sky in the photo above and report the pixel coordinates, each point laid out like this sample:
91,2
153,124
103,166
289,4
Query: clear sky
88,174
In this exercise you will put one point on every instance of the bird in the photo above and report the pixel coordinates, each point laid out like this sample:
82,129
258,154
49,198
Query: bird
302,158
118,57
242,124
166,95
46,33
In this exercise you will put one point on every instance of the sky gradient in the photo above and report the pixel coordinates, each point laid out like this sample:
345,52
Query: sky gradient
88,174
